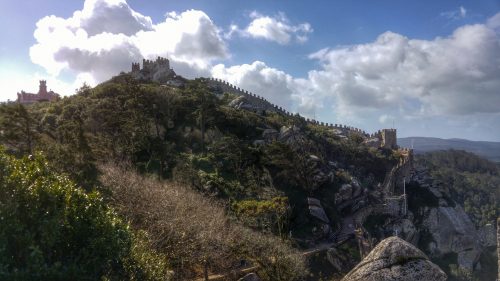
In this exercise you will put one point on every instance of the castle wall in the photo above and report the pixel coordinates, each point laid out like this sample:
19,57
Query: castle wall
263,104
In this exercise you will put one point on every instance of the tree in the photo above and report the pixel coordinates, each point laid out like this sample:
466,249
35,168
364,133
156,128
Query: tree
206,106
17,128
52,230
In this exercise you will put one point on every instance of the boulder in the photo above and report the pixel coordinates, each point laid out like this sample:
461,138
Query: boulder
270,134
487,235
395,259
316,210
344,193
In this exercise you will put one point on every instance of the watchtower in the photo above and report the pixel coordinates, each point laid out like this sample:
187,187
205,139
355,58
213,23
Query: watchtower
136,67
389,139
42,89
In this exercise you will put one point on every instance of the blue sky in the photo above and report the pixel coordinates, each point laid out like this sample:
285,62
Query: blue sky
431,67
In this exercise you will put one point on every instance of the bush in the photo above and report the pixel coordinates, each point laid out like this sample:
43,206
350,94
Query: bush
265,215
52,230
194,232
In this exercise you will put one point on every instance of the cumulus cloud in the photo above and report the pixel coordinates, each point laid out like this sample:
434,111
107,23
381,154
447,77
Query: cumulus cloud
273,28
107,35
458,74
393,78
273,84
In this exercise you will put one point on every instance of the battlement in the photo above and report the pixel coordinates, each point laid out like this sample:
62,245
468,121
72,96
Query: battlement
152,65
136,67
153,70
264,104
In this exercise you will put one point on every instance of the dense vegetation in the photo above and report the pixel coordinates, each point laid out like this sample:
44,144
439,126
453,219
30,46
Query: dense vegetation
469,180
194,232
52,230
241,199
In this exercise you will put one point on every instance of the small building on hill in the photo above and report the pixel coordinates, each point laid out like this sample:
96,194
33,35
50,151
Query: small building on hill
42,95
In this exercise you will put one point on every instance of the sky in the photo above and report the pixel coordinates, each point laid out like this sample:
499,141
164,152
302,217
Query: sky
426,68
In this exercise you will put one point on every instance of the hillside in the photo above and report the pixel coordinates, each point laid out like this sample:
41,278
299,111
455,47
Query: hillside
263,167
216,180
485,149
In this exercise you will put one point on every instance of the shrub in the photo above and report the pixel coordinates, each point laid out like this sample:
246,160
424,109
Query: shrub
268,215
193,231
52,230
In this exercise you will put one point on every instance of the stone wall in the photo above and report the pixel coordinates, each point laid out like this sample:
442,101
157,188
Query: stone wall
261,103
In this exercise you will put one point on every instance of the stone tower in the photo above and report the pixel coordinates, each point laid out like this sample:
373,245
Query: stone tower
389,139
43,87
136,67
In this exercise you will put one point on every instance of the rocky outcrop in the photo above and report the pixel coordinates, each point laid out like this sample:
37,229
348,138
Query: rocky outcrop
487,235
316,210
453,232
395,259
292,136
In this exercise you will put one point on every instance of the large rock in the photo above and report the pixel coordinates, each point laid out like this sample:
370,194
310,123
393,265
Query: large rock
316,210
453,232
395,259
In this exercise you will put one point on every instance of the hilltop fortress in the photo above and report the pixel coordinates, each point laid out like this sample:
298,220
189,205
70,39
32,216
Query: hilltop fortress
246,100
160,71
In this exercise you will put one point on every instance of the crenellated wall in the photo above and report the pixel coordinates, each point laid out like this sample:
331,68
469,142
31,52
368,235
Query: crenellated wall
263,104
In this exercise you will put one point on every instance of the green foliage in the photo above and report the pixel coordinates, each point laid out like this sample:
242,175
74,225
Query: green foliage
469,180
17,128
192,136
194,232
51,230
267,215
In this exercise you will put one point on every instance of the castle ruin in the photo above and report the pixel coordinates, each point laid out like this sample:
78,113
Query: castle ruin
42,95
158,70
389,140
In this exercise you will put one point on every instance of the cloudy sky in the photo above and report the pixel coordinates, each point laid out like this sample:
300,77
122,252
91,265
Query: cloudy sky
431,68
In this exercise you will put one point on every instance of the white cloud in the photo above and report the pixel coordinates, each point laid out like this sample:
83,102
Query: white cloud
393,78
273,84
107,35
273,28
457,14
459,74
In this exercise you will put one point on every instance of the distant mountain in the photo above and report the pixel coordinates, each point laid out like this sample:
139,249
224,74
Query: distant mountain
486,149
